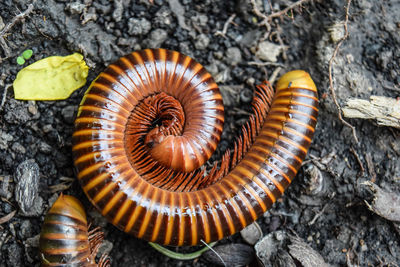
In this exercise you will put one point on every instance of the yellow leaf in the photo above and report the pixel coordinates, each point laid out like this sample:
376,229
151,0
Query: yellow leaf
51,78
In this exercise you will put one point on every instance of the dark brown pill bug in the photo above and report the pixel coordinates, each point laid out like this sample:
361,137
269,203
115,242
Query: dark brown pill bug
149,122
65,239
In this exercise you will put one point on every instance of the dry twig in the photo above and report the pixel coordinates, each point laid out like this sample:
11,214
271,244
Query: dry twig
357,158
266,19
274,74
11,24
3,100
226,25
284,11
332,89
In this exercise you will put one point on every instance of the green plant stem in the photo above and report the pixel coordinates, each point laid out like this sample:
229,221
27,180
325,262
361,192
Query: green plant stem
181,256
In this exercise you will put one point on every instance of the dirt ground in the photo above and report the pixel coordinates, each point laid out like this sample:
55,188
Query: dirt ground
325,206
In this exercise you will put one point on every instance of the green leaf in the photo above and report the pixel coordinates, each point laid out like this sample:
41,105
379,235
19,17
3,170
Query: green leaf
20,60
27,54
51,78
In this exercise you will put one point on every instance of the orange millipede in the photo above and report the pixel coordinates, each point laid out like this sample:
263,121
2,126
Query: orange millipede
65,239
149,122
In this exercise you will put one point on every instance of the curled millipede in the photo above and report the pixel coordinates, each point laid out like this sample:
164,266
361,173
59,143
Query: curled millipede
65,239
150,121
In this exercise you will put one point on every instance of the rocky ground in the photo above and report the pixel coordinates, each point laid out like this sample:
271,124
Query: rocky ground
325,207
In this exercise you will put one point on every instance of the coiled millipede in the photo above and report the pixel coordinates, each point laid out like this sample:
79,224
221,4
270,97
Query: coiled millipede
65,239
151,119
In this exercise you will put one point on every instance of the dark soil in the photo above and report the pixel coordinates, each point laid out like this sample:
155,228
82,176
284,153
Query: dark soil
345,232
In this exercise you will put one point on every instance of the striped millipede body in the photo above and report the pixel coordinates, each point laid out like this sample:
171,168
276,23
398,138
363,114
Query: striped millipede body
65,239
150,120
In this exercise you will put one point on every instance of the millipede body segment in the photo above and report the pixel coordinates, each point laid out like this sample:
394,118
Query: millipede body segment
65,239
148,123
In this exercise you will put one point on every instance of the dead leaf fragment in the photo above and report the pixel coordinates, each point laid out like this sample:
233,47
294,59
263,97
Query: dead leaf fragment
385,204
51,78
8,217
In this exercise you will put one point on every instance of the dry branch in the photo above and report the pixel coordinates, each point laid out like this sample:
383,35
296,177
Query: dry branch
384,110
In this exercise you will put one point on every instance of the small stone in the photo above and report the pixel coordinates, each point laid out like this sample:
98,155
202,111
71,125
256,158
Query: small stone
233,56
68,114
202,41
33,241
179,12
17,147
268,51
105,247
89,15
223,76
25,230
138,26
230,94
27,184
47,128
5,138
33,109
364,248
37,208
200,20
118,10
45,148
212,69
4,184
336,31
252,233
157,37
75,7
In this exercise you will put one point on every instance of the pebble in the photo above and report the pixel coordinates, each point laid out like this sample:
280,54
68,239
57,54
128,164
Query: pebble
202,41
89,15
27,184
179,12
105,247
32,108
268,51
252,233
5,138
33,241
47,128
118,10
138,26
200,20
68,114
212,69
4,187
233,56
75,7
18,148
25,230
45,148
157,37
